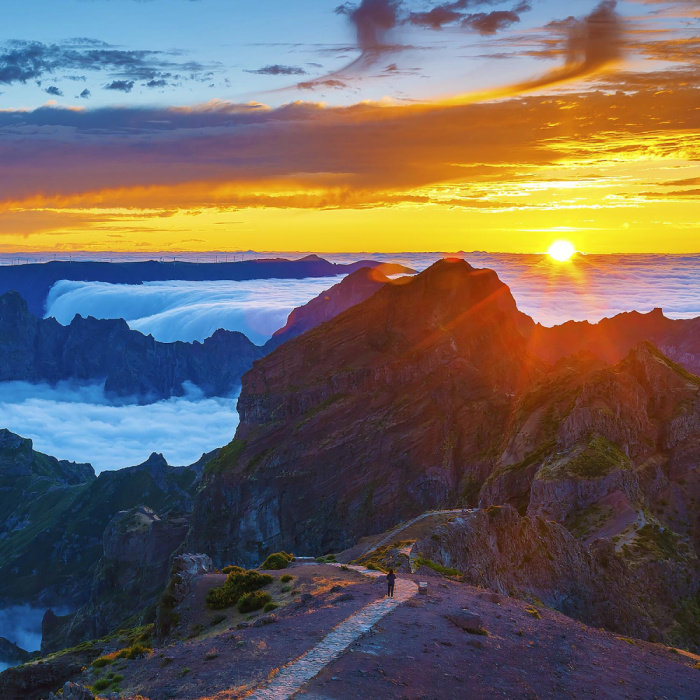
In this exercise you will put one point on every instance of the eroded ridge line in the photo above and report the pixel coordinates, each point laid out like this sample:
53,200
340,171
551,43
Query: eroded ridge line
291,678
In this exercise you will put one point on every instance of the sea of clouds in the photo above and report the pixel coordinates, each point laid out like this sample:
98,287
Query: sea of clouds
188,311
589,288
79,424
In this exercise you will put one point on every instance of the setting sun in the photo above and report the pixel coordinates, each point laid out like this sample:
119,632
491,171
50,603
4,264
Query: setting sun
561,250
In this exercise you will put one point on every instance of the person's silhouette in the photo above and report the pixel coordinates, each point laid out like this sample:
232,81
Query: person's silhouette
391,579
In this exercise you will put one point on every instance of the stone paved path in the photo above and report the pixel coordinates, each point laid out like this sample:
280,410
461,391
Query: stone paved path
291,678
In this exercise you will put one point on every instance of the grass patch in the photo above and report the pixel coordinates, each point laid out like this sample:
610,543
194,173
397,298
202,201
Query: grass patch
439,568
286,578
269,607
598,458
226,461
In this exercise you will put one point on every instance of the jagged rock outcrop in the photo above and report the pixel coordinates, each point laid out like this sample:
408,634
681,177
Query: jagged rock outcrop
53,519
368,419
541,560
137,550
129,363
73,691
356,287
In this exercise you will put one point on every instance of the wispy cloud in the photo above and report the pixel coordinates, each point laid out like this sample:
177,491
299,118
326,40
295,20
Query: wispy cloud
22,61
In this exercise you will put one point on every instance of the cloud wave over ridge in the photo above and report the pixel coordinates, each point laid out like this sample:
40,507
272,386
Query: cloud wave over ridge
188,311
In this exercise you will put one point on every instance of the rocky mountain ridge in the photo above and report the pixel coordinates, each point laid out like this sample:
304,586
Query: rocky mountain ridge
427,395
55,514
131,365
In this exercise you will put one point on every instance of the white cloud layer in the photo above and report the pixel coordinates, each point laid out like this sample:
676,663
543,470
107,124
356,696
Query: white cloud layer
188,310
79,424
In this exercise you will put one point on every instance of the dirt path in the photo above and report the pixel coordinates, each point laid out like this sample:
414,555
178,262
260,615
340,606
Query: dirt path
392,536
632,531
291,678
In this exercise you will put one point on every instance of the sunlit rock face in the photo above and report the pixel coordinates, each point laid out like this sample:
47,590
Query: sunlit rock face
389,409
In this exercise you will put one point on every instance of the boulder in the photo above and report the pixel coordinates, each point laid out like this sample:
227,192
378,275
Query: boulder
74,691
468,621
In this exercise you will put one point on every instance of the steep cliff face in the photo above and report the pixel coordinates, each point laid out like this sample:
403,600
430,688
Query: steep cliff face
356,287
130,363
391,408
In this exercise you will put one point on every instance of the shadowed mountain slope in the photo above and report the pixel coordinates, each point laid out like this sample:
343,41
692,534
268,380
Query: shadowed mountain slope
130,363
53,515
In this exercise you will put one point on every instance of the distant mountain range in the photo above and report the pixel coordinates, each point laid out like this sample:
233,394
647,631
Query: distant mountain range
132,365
33,281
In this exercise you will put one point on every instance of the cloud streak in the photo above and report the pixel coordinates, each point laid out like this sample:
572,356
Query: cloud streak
22,61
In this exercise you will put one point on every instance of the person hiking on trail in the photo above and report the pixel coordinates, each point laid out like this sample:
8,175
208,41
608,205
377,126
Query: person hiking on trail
390,579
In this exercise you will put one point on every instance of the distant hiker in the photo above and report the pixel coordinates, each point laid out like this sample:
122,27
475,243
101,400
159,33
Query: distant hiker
391,579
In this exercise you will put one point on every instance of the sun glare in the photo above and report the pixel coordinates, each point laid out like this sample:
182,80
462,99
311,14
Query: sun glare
561,250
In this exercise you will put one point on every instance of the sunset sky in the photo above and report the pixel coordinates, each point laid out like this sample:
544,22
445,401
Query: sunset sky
380,125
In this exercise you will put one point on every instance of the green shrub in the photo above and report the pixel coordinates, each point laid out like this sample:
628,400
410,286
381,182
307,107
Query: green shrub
269,607
101,684
237,584
278,560
217,619
344,568
183,672
232,570
102,661
320,560
286,578
253,601
285,589
134,652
